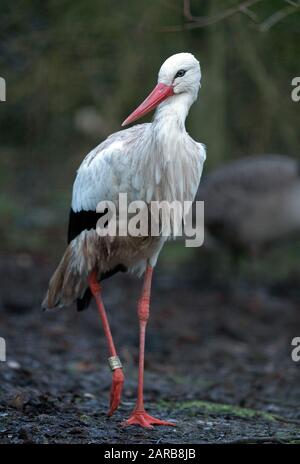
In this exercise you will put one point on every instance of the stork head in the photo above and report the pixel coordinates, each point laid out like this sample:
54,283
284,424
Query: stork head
179,74
182,73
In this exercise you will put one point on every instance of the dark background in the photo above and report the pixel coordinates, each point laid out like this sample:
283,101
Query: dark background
74,70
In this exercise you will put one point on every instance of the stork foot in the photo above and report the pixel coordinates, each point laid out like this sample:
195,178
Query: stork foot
116,390
144,419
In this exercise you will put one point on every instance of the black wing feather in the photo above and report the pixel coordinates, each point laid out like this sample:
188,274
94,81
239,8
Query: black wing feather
87,220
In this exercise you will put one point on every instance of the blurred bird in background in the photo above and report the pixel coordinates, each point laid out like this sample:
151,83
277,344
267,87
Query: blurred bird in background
251,205
253,202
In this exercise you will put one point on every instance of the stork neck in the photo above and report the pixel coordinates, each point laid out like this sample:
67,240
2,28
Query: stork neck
173,112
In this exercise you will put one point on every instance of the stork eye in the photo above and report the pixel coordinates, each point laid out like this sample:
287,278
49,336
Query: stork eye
180,73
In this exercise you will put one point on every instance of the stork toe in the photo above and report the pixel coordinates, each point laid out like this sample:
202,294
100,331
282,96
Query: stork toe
116,390
143,419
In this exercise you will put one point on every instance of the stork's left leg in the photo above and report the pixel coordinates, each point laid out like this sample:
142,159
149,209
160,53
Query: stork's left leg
139,415
118,376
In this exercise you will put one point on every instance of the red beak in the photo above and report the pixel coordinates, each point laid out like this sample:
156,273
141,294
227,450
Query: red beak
158,94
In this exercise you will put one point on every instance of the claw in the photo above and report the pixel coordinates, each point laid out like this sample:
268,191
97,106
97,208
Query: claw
116,390
144,419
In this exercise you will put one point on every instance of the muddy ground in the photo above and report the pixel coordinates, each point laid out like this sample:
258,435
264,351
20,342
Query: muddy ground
218,364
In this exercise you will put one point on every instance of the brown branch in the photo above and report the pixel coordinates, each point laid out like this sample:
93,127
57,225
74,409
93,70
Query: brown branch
278,16
194,22
187,10
202,21
208,20
292,2
250,14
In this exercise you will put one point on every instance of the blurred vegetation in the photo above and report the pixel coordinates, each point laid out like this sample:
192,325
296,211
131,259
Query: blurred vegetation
75,69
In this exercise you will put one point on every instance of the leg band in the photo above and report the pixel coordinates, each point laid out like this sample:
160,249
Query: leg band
114,363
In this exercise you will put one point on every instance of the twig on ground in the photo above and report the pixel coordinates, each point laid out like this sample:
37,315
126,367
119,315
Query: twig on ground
257,440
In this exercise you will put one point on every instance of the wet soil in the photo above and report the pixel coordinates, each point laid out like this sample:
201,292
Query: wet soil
220,366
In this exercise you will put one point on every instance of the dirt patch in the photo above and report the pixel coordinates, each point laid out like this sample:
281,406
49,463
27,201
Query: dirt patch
220,367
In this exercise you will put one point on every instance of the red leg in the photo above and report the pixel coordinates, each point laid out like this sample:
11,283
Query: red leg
139,415
118,376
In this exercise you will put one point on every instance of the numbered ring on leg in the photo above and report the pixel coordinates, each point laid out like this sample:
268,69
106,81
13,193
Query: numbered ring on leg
114,363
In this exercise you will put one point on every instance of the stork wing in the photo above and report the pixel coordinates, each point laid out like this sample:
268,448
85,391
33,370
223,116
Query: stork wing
108,170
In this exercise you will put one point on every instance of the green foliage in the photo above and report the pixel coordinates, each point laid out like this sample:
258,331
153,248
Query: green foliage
61,56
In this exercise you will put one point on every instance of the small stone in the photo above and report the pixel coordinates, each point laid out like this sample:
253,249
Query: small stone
89,396
13,364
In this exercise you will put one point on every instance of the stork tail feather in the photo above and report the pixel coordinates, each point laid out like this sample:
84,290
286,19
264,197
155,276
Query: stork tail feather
66,284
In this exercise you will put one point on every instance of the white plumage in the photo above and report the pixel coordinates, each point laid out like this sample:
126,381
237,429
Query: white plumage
157,161
152,161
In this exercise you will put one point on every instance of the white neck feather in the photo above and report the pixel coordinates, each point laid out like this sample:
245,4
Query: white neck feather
174,111
170,160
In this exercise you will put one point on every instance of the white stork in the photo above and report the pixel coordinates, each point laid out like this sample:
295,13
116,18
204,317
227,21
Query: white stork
153,161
